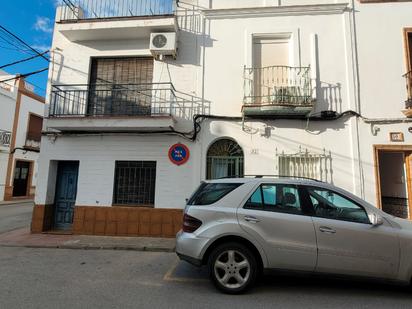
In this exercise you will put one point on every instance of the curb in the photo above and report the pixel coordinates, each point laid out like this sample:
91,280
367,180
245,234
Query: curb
16,203
92,247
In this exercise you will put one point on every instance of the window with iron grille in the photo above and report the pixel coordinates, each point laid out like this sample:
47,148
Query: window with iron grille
306,164
224,159
134,183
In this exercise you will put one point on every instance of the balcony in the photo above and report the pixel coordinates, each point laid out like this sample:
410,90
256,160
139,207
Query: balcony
5,138
119,107
84,20
408,102
277,91
33,140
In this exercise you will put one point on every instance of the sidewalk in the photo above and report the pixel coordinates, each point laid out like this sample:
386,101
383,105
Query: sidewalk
7,203
23,238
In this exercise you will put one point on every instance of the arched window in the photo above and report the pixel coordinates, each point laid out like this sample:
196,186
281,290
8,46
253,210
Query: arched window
224,159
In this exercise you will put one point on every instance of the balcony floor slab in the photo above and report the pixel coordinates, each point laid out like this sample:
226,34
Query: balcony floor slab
111,124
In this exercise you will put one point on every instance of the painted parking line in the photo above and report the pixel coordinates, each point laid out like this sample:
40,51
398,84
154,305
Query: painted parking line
184,272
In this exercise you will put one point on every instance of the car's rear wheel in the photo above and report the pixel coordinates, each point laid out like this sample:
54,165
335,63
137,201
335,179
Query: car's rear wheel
233,268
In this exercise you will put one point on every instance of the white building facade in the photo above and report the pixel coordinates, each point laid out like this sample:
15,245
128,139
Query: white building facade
145,102
21,120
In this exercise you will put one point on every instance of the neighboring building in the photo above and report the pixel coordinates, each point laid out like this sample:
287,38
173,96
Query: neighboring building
310,88
21,120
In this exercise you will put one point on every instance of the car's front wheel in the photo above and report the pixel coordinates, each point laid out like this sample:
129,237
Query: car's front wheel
233,268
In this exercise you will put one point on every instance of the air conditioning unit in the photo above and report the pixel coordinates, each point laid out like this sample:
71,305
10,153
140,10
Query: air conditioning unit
163,44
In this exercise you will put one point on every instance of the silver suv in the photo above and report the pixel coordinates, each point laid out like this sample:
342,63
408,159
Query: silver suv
240,227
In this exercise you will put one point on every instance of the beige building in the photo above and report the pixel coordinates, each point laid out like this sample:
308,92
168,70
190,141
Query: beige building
21,121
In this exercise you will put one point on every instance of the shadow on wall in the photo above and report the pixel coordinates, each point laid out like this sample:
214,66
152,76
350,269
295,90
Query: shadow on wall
310,126
194,35
328,95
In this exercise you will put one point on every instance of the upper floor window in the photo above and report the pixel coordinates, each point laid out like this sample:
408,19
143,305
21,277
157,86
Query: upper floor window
34,129
121,86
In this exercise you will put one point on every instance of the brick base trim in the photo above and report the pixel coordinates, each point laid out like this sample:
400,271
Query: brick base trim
114,221
42,218
127,221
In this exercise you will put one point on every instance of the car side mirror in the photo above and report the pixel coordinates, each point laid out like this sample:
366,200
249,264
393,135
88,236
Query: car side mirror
376,219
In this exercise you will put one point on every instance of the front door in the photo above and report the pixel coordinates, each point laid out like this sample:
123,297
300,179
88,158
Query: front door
65,197
276,217
21,178
347,243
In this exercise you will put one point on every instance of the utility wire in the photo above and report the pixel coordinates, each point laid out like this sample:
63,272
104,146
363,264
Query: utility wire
23,60
24,43
24,75
13,44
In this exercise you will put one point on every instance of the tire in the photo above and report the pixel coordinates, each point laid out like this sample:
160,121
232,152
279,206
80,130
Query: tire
233,268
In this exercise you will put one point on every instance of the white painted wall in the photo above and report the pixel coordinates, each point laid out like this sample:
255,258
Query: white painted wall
97,155
381,57
7,105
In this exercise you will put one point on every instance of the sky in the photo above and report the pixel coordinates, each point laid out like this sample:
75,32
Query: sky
31,20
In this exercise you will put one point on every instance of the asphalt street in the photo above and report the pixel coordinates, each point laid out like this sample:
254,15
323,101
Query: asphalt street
58,278
15,216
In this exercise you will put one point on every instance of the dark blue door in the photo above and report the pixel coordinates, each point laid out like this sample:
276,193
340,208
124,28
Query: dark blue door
65,197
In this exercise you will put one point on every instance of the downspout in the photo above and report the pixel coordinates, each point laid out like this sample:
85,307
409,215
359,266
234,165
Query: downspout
355,60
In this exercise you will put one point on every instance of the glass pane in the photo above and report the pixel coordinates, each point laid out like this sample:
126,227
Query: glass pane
209,193
331,205
17,173
255,201
291,199
24,172
269,195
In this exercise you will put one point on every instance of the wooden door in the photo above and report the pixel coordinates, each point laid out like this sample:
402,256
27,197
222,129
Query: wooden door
65,196
21,178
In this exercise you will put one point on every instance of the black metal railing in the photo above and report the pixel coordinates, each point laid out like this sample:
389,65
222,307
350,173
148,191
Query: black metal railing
96,100
408,77
97,9
5,138
278,85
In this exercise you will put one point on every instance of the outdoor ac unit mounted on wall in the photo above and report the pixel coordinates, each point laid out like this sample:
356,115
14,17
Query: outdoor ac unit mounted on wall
163,44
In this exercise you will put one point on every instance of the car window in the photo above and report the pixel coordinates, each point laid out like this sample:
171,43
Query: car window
275,197
331,205
209,193
256,201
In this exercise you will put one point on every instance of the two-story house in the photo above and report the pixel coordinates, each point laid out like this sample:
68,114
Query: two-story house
148,98
21,120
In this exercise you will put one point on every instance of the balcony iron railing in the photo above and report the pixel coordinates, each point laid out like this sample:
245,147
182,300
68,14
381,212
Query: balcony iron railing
109,100
278,85
408,77
5,138
98,9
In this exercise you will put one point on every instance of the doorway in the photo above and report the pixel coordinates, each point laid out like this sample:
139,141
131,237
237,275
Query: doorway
21,181
394,181
65,196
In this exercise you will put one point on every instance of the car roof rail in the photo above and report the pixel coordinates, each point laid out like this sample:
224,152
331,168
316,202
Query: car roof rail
264,176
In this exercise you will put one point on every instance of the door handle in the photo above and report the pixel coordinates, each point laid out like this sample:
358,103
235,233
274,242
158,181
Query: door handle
251,219
328,230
